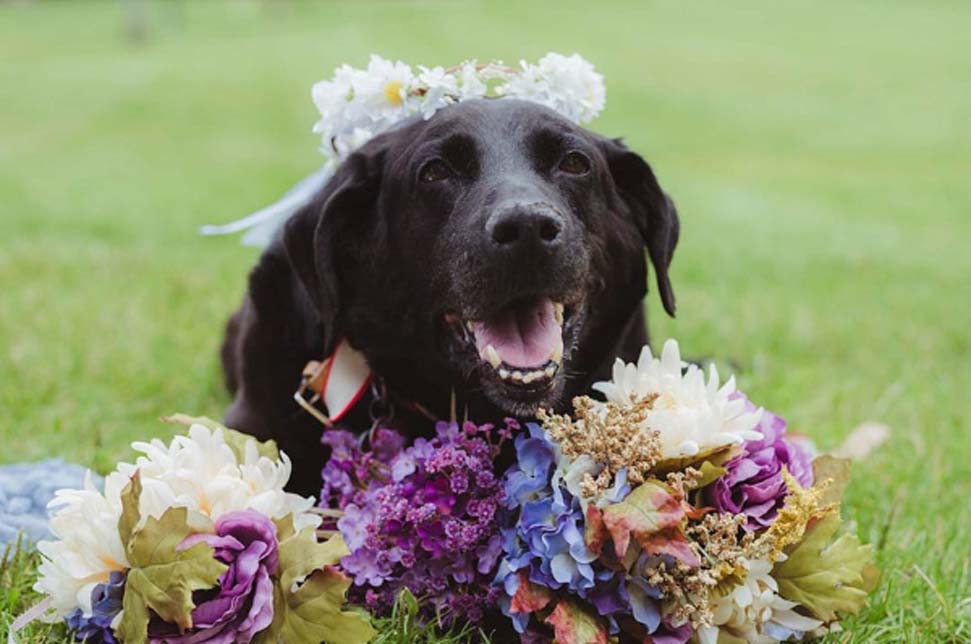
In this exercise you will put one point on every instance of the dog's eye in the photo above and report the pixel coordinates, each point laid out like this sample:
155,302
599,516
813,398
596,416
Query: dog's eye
574,163
434,170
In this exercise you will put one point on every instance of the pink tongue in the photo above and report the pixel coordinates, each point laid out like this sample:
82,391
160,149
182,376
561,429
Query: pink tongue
525,335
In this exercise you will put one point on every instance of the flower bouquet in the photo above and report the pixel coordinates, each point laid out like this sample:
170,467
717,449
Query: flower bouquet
673,510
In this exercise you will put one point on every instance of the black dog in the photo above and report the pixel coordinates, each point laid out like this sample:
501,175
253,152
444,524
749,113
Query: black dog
494,252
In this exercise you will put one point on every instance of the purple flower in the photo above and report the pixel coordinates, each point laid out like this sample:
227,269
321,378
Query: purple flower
754,485
350,468
423,518
242,605
106,602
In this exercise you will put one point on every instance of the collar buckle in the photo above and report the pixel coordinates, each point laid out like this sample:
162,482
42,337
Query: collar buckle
312,381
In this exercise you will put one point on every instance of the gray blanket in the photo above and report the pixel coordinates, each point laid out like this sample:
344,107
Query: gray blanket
25,490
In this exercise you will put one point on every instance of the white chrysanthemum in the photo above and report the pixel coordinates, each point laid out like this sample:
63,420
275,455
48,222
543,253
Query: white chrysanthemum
85,551
690,414
754,611
199,472
567,84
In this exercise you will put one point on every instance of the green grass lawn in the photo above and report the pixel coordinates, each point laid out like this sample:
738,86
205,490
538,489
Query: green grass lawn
819,155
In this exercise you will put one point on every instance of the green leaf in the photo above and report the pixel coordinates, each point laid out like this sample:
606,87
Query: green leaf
301,554
284,528
827,576
574,623
837,472
715,455
709,474
314,612
163,576
654,517
407,602
236,440
130,514
133,628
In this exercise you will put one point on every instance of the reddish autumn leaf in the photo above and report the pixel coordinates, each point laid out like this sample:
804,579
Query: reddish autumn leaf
654,517
595,533
696,513
574,623
529,597
672,542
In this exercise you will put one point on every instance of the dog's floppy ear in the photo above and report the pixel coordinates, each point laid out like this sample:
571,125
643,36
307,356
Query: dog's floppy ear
652,209
315,238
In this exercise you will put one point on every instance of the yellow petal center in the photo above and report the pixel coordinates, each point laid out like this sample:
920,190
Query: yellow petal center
392,91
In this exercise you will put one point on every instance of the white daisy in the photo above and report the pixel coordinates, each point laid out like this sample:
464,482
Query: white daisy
471,81
566,84
690,414
440,89
384,91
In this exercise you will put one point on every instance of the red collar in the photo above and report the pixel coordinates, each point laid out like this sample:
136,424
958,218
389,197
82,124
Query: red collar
341,381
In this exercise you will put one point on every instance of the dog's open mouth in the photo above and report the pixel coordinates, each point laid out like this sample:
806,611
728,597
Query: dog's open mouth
520,344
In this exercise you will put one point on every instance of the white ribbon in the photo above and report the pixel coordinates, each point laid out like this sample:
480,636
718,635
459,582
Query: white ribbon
31,615
262,225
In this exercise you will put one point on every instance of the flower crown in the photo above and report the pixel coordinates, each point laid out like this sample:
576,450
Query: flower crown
357,104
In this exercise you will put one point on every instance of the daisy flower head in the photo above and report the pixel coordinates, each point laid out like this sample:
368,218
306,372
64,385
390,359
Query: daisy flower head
567,84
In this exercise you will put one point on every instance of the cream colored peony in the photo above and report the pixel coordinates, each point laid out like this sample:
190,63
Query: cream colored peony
755,613
691,415
199,471
86,549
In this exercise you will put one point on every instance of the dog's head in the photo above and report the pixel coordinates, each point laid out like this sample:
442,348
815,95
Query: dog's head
496,244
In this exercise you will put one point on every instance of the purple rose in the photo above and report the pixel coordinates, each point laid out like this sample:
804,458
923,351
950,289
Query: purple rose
754,485
242,605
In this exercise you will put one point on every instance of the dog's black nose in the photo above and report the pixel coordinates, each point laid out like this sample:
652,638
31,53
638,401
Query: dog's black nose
529,227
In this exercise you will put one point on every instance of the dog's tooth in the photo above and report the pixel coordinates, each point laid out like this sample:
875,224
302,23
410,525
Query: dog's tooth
504,374
558,312
529,377
517,376
557,355
494,358
468,325
550,371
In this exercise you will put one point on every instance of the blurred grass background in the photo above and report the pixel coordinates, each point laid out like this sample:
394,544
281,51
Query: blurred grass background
819,153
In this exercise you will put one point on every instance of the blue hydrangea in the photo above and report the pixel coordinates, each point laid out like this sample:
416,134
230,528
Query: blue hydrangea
543,537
